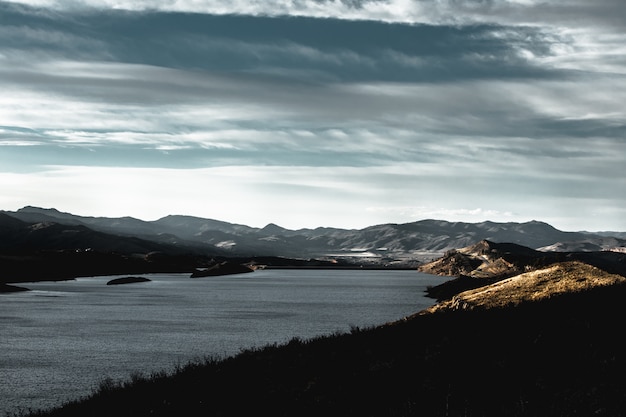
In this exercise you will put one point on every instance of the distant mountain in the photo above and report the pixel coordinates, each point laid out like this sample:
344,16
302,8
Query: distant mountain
620,235
20,236
189,227
121,225
384,243
53,251
589,244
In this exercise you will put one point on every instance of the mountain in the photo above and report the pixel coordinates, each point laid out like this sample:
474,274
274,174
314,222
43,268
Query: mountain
379,244
189,227
122,225
19,236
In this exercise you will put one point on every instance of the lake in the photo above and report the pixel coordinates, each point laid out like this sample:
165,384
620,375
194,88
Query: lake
61,339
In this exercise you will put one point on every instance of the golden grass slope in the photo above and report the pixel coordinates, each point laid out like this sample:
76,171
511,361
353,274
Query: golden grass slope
561,278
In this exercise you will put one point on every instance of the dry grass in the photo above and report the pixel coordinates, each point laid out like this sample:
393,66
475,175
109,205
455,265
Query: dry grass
561,278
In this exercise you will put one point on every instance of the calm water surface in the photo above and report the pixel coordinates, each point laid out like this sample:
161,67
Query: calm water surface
61,339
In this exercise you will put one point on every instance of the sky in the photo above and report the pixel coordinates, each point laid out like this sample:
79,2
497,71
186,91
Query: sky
307,113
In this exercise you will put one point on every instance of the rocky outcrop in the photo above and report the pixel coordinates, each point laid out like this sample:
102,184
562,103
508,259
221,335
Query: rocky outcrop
484,259
561,278
487,262
453,263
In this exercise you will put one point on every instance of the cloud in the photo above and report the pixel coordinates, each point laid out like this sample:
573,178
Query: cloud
573,35
296,192
460,105
453,214
421,11
485,124
299,196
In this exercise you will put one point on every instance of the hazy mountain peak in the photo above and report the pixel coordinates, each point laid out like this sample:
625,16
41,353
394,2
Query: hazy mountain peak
422,239
273,228
33,209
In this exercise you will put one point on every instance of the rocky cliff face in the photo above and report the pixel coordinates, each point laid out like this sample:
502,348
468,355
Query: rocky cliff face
484,259
488,262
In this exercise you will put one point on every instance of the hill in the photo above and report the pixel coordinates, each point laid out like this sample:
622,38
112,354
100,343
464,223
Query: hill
488,262
541,284
542,343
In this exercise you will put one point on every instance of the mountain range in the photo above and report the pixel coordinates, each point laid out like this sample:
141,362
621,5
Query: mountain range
384,243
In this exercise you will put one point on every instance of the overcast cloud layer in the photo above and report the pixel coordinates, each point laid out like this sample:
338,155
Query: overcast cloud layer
316,113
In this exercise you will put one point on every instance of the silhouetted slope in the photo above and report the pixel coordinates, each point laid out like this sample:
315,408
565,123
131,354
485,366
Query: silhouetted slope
17,236
9,225
563,355
52,251
120,225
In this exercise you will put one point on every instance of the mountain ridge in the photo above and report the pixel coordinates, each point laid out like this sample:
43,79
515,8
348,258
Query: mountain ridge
383,243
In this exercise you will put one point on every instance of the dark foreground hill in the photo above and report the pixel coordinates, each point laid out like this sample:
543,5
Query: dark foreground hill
561,354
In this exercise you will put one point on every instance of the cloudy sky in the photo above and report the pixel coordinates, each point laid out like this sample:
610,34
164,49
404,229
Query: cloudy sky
308,113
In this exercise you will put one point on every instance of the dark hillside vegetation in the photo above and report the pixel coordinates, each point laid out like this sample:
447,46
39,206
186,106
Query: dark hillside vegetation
68,264
561,356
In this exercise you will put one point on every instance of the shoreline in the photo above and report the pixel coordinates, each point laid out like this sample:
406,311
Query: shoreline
51,269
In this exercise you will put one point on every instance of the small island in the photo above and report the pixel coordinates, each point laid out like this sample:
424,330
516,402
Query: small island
127,280
222,268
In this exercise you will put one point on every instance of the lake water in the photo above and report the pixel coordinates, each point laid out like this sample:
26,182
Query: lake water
60,340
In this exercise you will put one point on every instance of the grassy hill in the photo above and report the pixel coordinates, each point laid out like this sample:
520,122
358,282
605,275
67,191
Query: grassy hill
552,348
488,262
